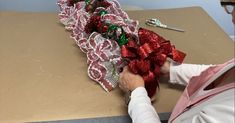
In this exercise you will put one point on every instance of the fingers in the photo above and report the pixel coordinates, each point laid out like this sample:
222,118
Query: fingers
122,82
121,75
125,69
123,85
165,68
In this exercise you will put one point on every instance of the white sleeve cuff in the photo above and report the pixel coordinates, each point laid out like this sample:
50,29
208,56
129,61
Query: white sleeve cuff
140,108
140,91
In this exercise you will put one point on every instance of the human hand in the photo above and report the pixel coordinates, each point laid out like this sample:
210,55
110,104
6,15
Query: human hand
129,81
165,69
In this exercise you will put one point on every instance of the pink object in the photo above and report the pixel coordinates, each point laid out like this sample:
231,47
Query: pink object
196,85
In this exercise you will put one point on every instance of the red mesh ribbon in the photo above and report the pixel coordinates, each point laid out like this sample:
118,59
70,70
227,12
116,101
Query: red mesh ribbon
147,56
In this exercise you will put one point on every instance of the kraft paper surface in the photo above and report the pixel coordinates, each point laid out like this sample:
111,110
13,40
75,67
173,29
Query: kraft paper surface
43,74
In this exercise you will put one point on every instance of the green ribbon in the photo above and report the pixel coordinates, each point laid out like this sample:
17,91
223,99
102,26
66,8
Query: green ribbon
103,12
112,27
122,39
87,2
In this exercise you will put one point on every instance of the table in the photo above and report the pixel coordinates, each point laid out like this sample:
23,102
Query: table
43,73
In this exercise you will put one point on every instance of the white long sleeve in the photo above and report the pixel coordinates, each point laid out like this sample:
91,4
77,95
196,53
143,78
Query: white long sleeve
140,108
182,73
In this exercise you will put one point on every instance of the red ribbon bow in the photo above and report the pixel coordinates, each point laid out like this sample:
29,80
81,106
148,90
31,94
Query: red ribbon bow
147,57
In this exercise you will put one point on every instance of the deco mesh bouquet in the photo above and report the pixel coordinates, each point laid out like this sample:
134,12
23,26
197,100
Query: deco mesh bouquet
111,40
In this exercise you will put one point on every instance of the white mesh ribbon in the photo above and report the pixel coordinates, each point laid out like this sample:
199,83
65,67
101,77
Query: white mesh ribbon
68,14
103,55
104,61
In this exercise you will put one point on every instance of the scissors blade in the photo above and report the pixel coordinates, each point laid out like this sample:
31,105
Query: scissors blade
176,29
157,23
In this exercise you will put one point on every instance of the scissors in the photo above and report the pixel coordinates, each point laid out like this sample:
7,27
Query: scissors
157,23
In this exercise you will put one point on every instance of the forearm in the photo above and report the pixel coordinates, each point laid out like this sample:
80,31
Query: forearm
140,108
181,74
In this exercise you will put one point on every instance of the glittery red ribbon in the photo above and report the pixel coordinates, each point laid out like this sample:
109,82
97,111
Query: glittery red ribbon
86,18
147,56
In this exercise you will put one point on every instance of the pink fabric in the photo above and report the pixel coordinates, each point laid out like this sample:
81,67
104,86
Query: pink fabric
196,83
